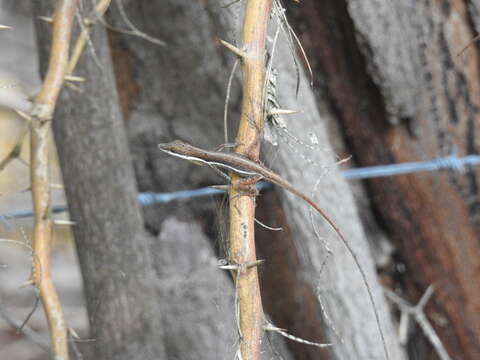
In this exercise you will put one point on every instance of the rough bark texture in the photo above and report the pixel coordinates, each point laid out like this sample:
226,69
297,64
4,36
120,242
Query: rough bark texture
402,94
178,92
339,286
101,191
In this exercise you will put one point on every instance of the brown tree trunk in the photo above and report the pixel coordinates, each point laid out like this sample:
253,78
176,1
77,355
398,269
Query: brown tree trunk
401,92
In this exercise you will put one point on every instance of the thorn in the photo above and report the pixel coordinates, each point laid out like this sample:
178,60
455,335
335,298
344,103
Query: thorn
251,264
228,267
74,87
24,115
268,227
46,19
224,188
27,283
5,27
64,222
282,112
271,327
240,53
73,333
74,78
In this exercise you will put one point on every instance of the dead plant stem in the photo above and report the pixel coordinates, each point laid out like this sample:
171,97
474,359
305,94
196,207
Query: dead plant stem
42,114
242,194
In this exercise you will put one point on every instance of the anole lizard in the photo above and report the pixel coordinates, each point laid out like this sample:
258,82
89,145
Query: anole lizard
245,167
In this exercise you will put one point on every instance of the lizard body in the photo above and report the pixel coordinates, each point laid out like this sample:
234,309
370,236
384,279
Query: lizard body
245,167
239,165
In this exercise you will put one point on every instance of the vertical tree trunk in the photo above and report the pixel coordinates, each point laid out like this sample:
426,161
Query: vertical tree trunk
101,191
402,93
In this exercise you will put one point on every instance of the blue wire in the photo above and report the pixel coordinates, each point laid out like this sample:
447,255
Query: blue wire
444,163
150,198
451,162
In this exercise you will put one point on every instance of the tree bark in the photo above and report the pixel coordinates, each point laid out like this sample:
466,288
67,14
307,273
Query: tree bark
101,192
401,92
339,286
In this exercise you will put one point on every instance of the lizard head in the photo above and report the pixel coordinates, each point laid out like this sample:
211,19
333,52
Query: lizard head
174,147
180,149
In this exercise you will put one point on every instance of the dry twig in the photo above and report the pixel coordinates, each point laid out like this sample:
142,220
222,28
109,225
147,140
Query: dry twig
29,333
42,114
418,313
82,39
242,208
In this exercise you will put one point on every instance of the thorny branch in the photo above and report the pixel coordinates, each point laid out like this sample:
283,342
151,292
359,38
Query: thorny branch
42,113
242,207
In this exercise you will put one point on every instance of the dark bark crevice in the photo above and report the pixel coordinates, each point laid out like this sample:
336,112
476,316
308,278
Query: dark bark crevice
432,218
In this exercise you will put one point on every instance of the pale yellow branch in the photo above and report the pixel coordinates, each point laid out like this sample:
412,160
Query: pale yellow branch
41,115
